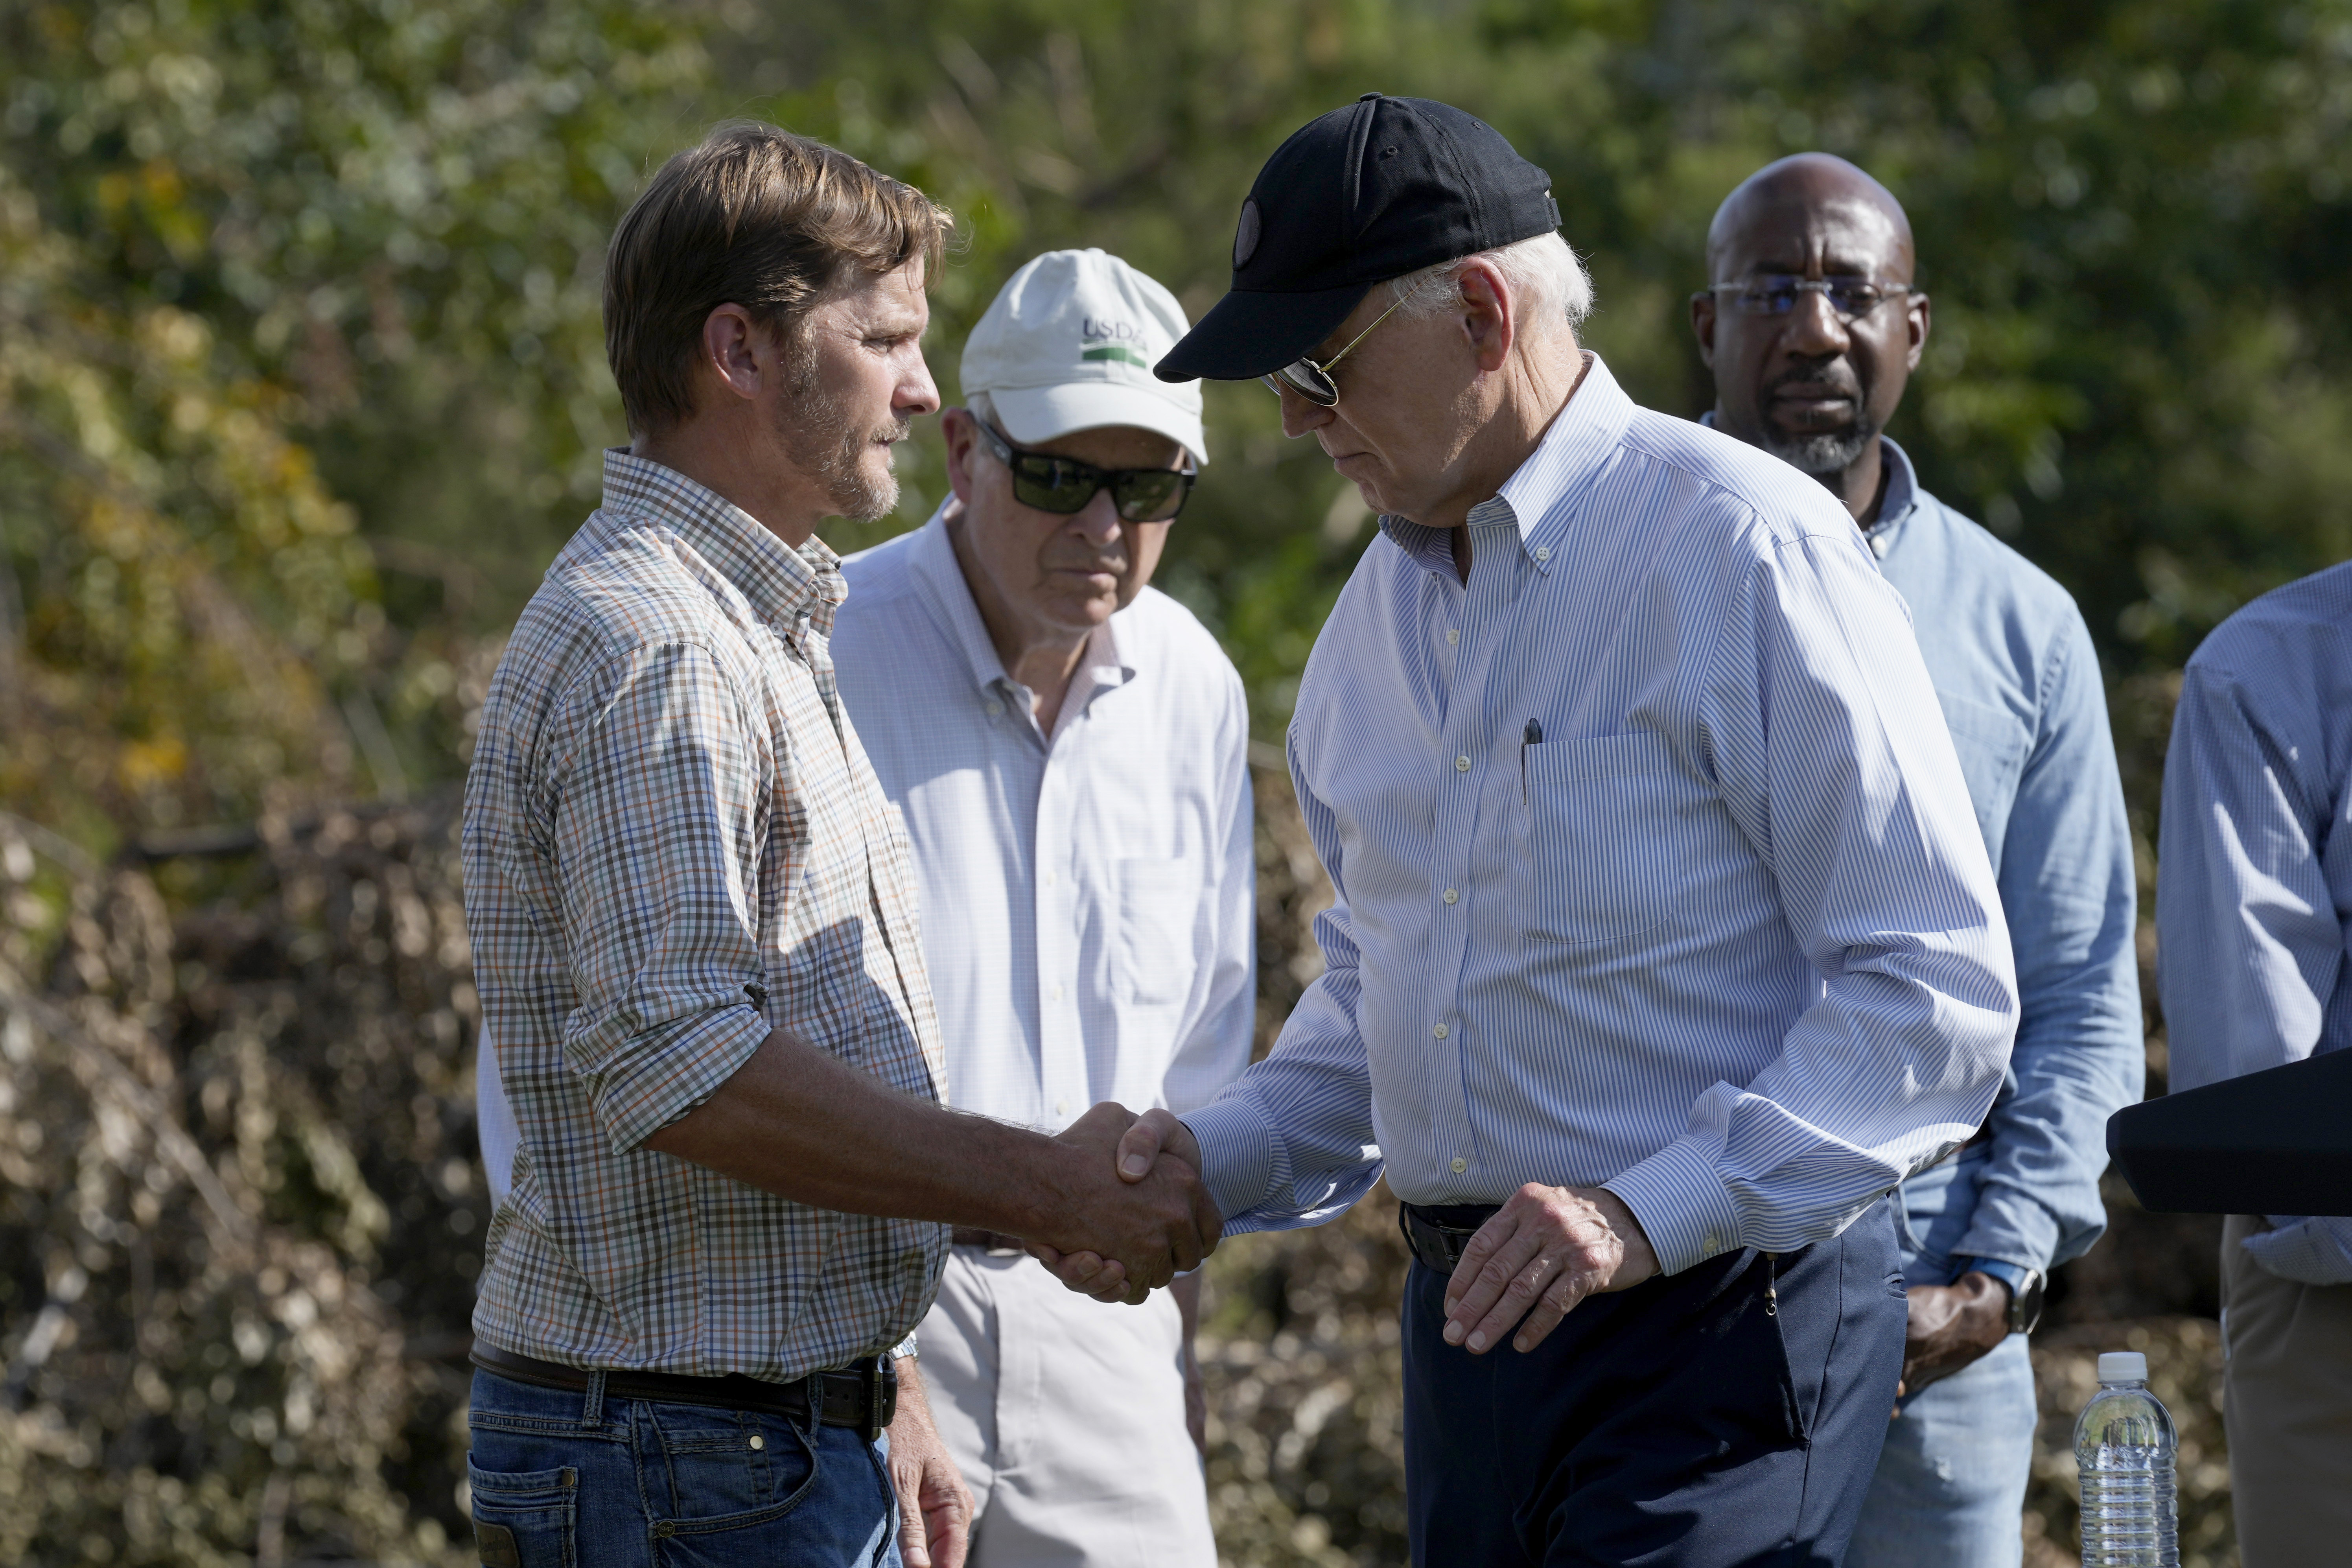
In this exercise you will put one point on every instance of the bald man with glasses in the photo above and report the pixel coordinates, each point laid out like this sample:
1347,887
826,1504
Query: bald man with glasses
1813,328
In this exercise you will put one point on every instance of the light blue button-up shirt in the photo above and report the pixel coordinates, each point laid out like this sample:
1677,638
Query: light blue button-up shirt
1724,938
2018,684
2254,894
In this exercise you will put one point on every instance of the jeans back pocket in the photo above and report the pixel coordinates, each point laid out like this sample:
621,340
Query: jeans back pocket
525,1519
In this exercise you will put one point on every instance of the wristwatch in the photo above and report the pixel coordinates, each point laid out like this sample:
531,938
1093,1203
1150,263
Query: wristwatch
2024,1289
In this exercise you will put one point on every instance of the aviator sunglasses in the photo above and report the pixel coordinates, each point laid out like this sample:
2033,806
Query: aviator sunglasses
1312,380
1065,485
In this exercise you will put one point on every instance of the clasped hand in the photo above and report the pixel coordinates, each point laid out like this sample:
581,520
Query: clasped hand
1529,1265
1134,1222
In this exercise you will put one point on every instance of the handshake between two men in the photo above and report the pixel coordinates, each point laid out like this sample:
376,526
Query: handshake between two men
1114,1203
1527,1268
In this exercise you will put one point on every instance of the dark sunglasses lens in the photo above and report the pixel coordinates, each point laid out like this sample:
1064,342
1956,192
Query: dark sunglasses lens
1309,383
1052,487
1150,495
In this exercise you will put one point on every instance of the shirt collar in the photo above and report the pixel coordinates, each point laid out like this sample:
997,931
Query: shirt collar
1898,499
1896,502
1539,499
781,584
940,576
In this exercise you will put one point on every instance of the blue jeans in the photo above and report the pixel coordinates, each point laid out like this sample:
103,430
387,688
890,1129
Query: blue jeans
570,1480
1951,1486
1690,1422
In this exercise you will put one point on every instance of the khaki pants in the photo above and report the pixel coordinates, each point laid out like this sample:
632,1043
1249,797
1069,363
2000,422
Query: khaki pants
2288,1409
1067,1417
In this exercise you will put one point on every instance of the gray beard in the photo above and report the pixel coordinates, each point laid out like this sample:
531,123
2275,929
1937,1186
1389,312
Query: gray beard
824,442
1825,455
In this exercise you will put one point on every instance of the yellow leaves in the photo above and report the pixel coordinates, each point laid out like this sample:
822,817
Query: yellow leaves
145,765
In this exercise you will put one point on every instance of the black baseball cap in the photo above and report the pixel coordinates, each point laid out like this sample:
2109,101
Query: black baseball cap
1376,190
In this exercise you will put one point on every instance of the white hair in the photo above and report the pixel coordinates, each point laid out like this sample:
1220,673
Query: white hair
982,408
1546,281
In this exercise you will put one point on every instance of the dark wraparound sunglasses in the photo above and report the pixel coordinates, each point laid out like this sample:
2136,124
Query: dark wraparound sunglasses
1065,485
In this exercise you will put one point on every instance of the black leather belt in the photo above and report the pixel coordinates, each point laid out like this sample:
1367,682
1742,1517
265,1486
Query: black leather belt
1439,1235
864,1394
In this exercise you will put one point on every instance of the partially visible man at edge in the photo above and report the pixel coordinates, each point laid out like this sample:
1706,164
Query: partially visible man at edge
1812,328
1070,751
1665,944
693,924
2253,922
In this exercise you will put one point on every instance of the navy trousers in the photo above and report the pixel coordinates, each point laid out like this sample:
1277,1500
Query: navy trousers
1690,1421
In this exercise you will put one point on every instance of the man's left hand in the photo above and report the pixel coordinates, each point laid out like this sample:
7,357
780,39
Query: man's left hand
1543,1252
934,1505
1950,1326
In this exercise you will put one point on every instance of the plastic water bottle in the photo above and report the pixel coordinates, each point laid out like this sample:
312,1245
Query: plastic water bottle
2126,1448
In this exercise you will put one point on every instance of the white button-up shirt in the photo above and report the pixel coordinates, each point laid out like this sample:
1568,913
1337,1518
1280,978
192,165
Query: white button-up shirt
1655,867
1087,896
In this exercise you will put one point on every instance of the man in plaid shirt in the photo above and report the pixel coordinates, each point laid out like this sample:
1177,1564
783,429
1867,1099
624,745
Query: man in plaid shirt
694,929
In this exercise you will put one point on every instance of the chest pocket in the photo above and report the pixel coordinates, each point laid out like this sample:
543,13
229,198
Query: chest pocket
1991,743
1605,818
1153,958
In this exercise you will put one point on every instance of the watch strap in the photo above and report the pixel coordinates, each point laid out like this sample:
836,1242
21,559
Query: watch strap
2019,1279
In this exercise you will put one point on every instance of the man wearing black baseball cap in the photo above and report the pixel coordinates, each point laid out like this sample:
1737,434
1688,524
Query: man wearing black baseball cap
1665,943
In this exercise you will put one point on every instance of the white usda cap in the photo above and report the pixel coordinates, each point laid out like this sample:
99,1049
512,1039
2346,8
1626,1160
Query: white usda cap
1069,346
2123,1366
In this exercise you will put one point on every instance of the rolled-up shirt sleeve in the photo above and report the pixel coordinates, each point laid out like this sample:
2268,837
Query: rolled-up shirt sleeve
1829,749
655,814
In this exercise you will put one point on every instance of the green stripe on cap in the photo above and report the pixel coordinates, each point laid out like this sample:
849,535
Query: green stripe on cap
1118,352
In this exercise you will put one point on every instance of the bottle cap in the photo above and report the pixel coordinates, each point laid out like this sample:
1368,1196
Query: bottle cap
2123,1366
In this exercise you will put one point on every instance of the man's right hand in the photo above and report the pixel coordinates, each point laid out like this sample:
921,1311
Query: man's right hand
1141,1142
1134,1221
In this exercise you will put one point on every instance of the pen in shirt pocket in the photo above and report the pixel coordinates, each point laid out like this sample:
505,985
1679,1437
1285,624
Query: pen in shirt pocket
1531,736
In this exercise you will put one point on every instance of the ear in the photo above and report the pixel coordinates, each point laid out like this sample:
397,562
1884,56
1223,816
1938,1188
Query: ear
737,350
962,433
1703,324
1488,314
1917,317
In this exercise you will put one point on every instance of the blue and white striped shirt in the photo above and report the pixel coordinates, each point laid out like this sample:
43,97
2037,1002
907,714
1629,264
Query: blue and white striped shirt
2254,894
1724,938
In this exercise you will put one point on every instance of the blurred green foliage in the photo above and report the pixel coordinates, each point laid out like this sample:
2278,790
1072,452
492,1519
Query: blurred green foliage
304,379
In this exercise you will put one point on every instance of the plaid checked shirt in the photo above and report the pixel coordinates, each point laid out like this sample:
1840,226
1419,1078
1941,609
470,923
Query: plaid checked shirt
670,813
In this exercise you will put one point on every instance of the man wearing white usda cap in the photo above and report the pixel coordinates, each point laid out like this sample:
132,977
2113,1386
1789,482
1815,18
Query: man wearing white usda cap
1069,749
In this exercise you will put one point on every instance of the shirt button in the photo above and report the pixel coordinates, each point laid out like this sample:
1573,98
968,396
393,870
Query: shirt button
1441,1031
1461,765
1454,637
1712,1245
995,709
1460,1164
1061,1108
1452,897
1049,878
1543,552
1057,994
